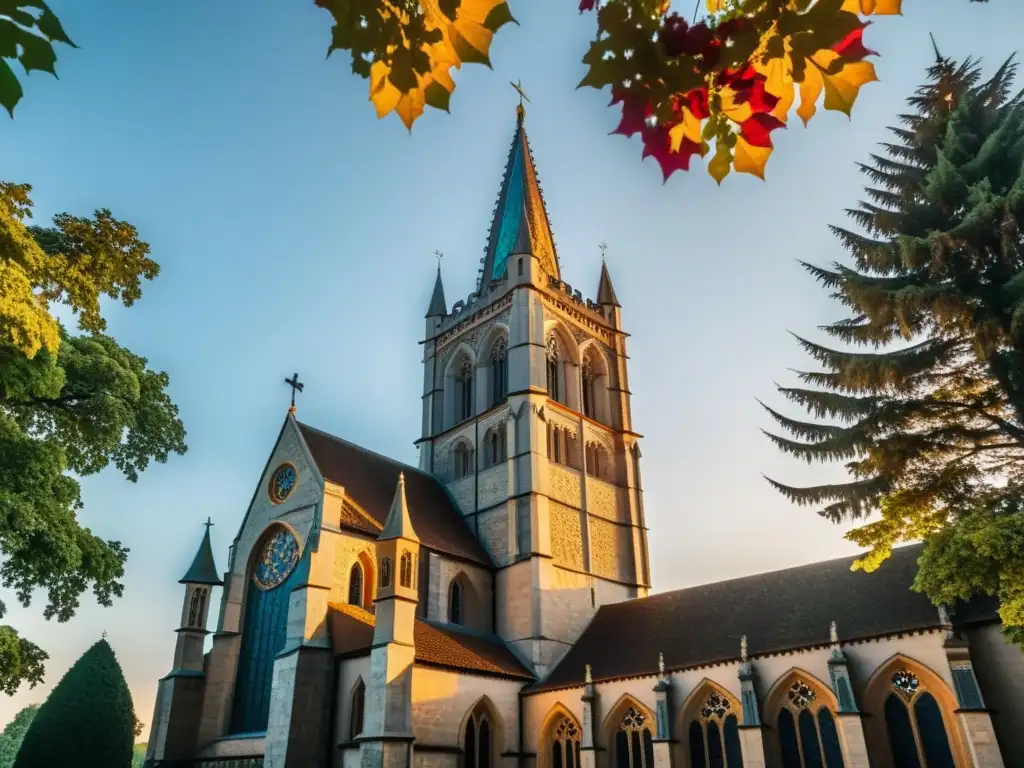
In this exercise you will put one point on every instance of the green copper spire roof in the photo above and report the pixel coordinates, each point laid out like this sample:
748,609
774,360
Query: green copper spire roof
520,223
438,307
203,570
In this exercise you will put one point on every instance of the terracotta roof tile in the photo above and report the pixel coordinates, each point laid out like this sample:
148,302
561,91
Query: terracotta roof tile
370,480
778,611
351,631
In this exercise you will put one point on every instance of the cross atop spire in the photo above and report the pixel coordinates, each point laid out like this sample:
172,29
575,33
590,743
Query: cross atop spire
296,386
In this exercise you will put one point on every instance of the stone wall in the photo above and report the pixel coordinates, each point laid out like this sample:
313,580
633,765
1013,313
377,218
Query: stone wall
611,550
607,500
564,485
493,485
493,533
566,535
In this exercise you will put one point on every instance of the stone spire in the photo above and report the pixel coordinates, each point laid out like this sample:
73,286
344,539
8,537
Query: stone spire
438,307
520,223
399,525
203,569
605,290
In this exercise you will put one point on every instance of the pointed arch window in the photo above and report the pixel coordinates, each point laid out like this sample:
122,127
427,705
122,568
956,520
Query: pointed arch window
355,585
476,744
405,569
565,746
598,463
556,450
634,744
714,735
554,390
355,716
588,377
913,720
385,572
455,603
807,730
464,390
499,371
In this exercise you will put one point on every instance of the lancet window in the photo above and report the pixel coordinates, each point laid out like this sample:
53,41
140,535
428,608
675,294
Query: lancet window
634,745
464,390
494,442
355,716
455,600
807,730
598,461
917,734
355,585
714,735
385,572
476,744
405,569
197,606
462,461
588,376
499,371
553,358
565,745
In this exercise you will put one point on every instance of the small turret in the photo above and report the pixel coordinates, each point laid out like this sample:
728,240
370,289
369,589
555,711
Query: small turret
398,549
438,307
199,581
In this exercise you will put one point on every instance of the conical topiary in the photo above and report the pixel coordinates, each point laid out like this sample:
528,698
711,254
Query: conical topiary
88,719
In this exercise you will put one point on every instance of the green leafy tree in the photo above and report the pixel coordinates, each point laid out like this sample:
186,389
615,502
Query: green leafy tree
68,403
926,402
14,733
87,720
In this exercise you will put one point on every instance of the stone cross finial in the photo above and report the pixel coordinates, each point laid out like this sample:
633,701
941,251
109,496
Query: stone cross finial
296,386
743,649
661,664
587,677
833,634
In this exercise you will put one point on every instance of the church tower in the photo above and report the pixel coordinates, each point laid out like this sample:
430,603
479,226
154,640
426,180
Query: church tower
526,419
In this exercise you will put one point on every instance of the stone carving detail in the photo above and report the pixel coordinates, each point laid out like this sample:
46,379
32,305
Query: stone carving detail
611,550
801,694
580,334
558,419
602,500
565,485
494,419
450,340
493,485
566,536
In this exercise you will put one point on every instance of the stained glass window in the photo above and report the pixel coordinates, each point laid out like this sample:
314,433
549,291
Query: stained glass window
807,732
355,585
634,744
714,735
264,629
282,483
917,733
565,747
276,561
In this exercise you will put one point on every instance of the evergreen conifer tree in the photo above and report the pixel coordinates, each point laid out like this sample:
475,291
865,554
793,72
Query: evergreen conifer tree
88,719
929,413
13,734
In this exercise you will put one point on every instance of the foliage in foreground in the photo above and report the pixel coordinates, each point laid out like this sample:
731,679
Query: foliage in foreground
728,80
929,418
67,404
88,719
14,733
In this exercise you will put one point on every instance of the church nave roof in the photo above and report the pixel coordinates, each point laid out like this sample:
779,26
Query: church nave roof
778,611
441,645
370,480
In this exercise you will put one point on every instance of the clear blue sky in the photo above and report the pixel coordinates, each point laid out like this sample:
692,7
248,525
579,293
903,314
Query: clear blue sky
295,232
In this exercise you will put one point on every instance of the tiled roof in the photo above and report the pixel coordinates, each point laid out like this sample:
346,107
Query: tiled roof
370,480
777,611
442,645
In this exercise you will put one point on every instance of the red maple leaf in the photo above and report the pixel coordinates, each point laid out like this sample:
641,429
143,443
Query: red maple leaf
587,5
756,130
658,144
635,111
852,47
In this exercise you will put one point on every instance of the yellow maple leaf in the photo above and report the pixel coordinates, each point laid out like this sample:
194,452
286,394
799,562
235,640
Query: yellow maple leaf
750,159
841,88
688,128
721,163
875,7
715,6
409,106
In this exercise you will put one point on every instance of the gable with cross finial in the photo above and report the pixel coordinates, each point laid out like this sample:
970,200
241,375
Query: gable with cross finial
296,386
